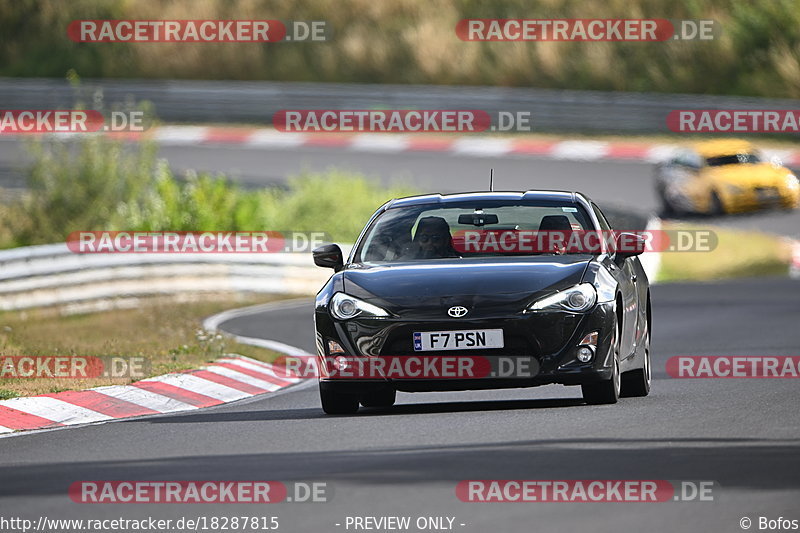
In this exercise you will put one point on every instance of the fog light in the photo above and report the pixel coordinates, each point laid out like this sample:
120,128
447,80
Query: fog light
585,353
334,347
342,363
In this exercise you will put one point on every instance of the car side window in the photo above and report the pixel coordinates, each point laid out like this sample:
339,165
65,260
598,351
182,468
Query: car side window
689,159
686,158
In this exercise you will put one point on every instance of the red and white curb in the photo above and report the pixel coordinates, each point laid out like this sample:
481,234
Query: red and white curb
471,145
463,145
228,379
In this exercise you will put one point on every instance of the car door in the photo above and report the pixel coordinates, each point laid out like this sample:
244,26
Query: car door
626,274
698,189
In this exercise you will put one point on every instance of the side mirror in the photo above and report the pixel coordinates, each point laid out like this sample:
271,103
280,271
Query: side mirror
630,244
329,256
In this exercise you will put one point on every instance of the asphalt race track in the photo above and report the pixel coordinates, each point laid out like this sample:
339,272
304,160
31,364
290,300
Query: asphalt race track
616,183
741,434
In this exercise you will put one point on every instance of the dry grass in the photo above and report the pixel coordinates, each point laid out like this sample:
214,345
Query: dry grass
738,254
167,333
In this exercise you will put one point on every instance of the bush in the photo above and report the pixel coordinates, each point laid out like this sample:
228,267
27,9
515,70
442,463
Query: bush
96,184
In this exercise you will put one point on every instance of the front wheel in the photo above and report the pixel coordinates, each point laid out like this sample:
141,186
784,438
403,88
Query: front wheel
667,209
716,209
608,390
337,403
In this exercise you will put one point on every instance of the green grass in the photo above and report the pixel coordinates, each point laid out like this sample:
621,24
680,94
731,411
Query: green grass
738,254
414,41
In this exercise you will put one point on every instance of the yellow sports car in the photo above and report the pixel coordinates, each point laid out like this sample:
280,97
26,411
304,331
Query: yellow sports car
724,176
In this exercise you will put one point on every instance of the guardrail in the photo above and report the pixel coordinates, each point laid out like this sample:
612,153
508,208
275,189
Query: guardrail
47,275
53,275
256,102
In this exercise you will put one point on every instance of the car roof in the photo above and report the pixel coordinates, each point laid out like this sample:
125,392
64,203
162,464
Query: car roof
724,147
546,196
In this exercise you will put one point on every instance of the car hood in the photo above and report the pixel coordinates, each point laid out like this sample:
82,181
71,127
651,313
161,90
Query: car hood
755,175
487,284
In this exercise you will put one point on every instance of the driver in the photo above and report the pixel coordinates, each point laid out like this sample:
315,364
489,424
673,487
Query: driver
433,239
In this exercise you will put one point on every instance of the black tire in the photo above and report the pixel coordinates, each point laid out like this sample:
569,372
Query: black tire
337,403
717,209
379,398
608,390
636,383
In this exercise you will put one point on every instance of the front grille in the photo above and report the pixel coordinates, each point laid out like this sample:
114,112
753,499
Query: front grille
767,194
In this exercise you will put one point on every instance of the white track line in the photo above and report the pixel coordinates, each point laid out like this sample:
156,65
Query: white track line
213,322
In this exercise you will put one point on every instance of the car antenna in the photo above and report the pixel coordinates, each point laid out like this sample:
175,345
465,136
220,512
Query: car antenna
491,180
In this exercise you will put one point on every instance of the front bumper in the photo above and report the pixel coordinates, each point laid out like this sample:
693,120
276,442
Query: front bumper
761,198
539,349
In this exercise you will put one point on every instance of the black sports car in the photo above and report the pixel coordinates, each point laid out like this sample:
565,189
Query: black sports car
483,290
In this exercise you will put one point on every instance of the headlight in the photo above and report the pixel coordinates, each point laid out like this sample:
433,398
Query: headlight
577,299
344,307
792,183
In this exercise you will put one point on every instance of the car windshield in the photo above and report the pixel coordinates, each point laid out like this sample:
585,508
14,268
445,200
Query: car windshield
735,159
470,229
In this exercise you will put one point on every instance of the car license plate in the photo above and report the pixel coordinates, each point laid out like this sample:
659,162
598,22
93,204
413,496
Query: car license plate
468,339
